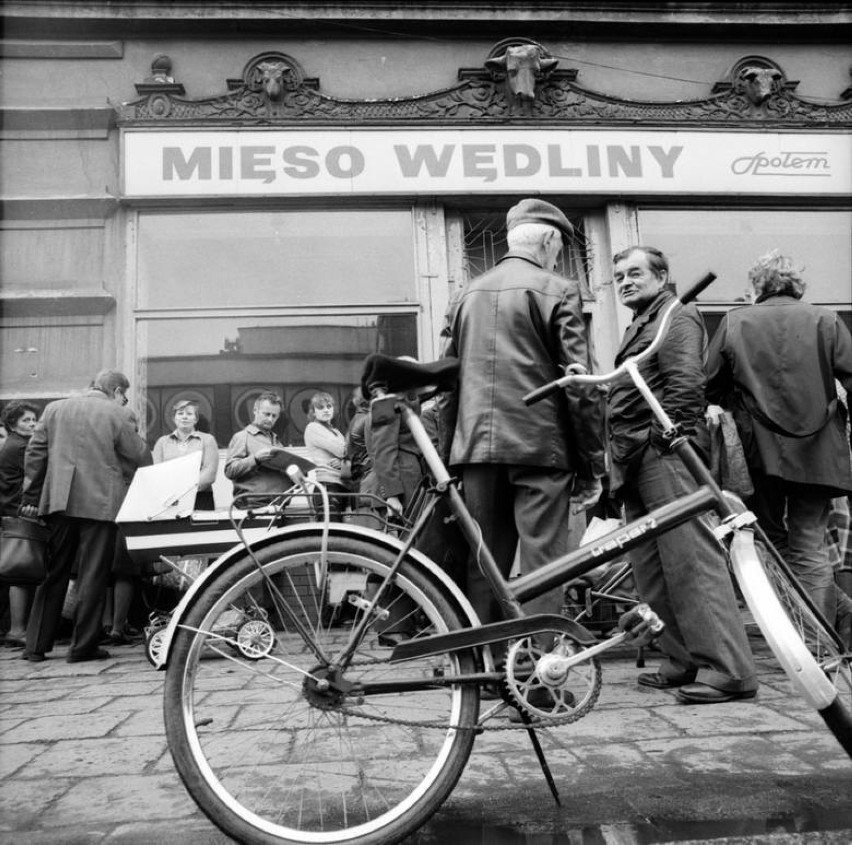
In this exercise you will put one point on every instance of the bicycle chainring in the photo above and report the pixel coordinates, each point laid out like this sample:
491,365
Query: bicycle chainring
545,690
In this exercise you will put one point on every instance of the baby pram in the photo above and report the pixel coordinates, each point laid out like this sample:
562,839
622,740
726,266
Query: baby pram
160,527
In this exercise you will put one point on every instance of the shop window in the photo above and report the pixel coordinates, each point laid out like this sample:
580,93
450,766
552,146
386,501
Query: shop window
269,258
485,243
728,242
232,303
223,363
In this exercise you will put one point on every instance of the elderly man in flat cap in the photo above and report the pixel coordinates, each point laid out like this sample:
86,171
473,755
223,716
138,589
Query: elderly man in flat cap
515,328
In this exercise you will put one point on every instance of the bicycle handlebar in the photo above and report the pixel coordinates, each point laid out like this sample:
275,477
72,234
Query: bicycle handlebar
547,389
698,288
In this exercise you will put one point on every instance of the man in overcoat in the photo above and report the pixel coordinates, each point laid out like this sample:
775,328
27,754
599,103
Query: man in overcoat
74,477
774,364
513,329
681,574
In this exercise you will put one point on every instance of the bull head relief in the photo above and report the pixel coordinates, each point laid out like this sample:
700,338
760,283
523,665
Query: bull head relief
523,65
758,83
272,74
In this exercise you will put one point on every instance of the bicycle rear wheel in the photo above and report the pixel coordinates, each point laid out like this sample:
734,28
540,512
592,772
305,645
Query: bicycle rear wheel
282,748
807,648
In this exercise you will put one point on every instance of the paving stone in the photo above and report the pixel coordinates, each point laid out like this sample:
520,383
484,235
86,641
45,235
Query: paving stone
730,717
729,753
17,756
93,757
119,799
73,726
73,703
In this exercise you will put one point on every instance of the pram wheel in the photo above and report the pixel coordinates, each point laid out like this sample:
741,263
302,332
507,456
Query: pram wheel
255,639
154,645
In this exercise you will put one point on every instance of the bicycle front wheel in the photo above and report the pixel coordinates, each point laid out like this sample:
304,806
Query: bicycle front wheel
285,746
807,648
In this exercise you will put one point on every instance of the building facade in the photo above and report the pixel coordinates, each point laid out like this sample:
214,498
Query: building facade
221,200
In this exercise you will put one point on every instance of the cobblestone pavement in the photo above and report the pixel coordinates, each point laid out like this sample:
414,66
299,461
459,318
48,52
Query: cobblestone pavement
83,759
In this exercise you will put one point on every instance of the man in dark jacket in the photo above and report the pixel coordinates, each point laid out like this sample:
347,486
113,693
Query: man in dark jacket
682,574
774,363
74,476
513,329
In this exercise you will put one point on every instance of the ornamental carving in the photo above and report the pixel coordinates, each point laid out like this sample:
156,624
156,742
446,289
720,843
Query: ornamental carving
519,83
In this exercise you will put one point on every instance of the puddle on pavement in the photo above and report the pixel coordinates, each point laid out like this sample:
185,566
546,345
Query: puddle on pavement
455,832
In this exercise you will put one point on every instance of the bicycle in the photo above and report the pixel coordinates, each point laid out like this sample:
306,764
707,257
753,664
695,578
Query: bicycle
304,745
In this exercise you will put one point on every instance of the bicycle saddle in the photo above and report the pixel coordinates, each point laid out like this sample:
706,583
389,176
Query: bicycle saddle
400,375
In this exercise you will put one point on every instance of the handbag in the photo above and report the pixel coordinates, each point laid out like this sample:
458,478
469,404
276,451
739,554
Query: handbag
23,550
728,460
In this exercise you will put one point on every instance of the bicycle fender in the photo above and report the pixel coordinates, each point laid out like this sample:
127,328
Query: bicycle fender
390,543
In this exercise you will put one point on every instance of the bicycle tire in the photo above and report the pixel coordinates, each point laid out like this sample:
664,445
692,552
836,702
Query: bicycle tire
265,756
793,629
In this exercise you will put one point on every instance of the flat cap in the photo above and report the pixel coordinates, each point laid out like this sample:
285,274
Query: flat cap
539,211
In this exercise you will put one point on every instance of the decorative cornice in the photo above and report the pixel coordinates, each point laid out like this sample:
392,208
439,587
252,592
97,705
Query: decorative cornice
273,91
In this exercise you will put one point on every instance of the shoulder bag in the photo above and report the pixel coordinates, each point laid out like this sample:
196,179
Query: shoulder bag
23,551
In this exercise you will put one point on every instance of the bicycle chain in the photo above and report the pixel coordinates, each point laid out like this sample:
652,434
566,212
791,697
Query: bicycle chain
538,722
576,715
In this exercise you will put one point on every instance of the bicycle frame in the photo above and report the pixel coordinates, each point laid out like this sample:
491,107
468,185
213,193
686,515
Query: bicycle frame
512,593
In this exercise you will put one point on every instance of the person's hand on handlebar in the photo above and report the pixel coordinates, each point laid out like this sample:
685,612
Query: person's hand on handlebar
585,493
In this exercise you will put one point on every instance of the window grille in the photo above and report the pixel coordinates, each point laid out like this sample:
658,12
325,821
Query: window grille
485,243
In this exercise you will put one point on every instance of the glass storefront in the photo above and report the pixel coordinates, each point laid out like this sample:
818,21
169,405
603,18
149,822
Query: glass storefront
232,303
728,242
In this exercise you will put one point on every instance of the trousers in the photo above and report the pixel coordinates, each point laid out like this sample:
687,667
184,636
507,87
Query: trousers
795,519
521,509
90,544
683,576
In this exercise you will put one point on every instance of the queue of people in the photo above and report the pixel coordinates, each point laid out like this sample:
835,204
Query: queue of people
528,474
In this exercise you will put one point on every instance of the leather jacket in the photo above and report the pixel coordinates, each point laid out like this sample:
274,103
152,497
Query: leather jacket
675,375
514,329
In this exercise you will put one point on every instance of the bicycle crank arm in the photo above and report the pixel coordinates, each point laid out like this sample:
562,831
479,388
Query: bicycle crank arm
638,626
494,632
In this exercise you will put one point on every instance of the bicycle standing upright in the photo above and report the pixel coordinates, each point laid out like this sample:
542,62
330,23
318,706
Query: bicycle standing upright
337,737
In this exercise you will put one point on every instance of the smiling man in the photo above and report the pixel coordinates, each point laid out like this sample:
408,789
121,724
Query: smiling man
682,574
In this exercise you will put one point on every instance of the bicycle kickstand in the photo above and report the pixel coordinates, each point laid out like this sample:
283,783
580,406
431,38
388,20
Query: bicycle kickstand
542,760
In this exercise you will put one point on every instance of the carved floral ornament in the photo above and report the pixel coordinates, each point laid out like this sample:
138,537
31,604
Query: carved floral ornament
519,82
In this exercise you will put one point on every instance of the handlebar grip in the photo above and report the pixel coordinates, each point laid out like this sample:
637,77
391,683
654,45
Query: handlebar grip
540,393
698,288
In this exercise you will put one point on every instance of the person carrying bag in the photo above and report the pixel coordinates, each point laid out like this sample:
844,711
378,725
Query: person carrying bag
23,551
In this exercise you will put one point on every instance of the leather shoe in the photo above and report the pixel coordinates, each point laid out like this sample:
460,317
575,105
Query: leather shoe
33,656
703,694
658,681
97,654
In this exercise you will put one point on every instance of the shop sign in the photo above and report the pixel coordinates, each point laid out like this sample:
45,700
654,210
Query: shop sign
433,162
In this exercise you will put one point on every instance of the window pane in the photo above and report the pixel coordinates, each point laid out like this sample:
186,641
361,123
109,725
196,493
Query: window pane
222,258
224,363
729,242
